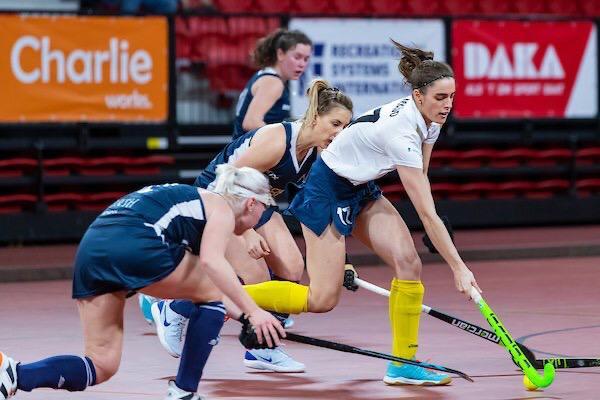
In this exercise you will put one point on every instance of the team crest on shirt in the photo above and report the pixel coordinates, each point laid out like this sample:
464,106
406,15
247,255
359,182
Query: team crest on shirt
276,192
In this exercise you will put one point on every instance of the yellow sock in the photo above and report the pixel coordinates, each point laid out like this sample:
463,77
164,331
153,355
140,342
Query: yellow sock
280,296
406,298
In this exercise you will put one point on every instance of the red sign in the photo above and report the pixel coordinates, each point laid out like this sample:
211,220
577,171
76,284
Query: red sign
516,69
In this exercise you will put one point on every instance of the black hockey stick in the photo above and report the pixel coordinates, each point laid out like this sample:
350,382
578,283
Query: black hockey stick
369,353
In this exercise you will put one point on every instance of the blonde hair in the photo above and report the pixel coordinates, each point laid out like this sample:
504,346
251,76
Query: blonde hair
238,184
322,97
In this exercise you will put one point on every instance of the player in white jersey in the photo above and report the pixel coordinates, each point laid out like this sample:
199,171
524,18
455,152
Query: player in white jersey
341,198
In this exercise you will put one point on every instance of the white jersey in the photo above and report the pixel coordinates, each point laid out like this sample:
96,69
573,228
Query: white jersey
379,141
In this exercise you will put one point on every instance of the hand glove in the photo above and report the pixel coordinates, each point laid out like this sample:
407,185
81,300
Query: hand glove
349,275
248,337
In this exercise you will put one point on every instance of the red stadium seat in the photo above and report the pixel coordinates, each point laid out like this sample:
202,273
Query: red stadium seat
63,201
147,165
549,157
548,188
445,190
512,157
425,8
15,203
19,166
274,6
460,7
244,27
590,155
103,166
563,8
442,157
475,190
225,78
352,7
235,6
388,8
514,188
588,187
98,201
590,8
473,158
206,33
62,166
312,7
495,7
527,7
183,38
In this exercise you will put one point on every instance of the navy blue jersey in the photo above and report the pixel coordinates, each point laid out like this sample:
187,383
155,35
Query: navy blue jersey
287,170
278,113
174,211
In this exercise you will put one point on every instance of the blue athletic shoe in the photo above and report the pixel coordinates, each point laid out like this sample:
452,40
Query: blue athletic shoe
407,374
145,303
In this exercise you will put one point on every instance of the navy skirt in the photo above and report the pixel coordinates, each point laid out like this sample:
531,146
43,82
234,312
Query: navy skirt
328,198
121,253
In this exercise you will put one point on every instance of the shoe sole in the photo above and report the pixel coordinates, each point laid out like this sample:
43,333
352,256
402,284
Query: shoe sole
160,329
263,366
414,382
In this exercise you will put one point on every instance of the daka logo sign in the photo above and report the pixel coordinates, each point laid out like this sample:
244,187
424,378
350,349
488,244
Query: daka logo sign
84,69
514,69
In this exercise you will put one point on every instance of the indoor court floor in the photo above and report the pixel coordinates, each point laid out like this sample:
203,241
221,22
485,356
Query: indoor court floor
551,304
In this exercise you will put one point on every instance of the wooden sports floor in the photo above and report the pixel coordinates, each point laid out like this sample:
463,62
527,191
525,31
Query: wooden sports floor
551,304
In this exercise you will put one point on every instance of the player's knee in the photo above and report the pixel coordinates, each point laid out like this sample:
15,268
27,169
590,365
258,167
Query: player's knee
408,264
295,270
106,365
323,302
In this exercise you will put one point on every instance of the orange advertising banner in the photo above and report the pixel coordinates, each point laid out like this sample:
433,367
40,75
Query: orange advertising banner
73,68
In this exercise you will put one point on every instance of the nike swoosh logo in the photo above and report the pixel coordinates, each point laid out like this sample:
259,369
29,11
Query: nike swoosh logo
265,358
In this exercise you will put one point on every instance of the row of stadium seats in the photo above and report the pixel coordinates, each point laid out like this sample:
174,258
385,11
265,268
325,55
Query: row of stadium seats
409,7
151,165
223,46
99,166
15,203
502,190
63,201
514,157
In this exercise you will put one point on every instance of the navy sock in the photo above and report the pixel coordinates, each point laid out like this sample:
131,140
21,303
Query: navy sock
71,373
182,307
206,321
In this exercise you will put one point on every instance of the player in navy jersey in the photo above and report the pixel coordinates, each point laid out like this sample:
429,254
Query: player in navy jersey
166,241
340,198
284,153
281,56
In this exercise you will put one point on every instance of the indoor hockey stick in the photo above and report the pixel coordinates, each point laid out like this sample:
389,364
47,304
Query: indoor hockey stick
456,322
515,351
369,353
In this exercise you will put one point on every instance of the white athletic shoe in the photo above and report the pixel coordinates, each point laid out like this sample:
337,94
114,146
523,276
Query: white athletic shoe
8,376
272,360
174,393
170,327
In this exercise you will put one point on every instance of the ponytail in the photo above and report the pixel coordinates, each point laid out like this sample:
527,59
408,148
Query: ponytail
322,98
418,67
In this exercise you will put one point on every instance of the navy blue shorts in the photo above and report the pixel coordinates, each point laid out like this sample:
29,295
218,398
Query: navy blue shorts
121,253
328,198
202,181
